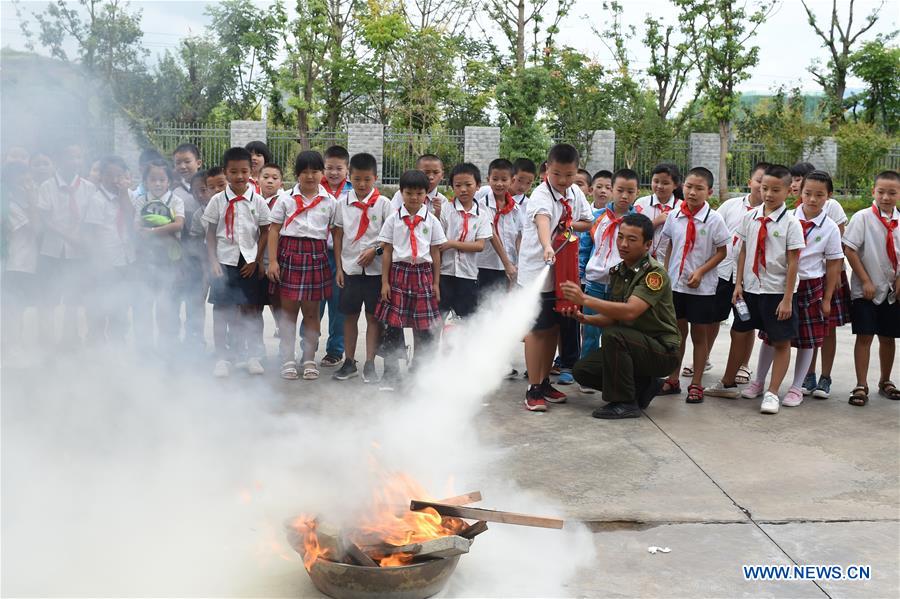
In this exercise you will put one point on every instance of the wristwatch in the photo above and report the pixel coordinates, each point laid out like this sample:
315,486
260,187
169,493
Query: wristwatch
379,250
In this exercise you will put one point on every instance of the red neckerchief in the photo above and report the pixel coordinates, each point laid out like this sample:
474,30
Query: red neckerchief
364,217
229,215
609,235
890,225
271,201
465,228
255,184
412,223
566,220
665,208
340,188
70,190
507,208
690,235
759,257
301,208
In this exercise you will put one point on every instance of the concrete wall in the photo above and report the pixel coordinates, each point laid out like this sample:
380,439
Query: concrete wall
824,157
243,132
705,152
367,138
125,144
482,144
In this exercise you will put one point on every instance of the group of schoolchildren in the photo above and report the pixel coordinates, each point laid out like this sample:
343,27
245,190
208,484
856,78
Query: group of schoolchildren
232,235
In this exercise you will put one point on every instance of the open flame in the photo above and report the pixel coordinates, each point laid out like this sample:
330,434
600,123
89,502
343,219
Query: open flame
386,521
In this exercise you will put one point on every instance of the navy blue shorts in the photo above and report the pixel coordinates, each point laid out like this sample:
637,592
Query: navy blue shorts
762,316
870,319
231,289
696,309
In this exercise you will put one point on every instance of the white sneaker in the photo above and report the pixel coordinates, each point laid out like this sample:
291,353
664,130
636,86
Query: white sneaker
254,366
707,367
770,403
587,390
222,369
720,390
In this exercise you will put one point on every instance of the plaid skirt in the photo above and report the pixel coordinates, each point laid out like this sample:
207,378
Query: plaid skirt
813,326
305,273
412,303
840,304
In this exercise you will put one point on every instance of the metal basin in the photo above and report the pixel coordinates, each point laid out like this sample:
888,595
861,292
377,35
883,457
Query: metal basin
415,581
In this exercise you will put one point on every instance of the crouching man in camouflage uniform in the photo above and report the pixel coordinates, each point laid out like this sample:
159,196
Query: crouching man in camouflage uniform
640,336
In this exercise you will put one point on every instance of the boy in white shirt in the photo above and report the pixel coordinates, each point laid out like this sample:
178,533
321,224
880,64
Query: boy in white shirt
433,168
466,225
237,220
657,206
357,223
871,242
768,264
555,207
61,204
603,250
698,238
20,235
497,263
820,265
410,287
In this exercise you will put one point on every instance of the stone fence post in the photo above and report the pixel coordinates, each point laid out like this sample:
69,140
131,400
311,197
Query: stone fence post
705,152
603,151
824,157
481,146
367,138
243,132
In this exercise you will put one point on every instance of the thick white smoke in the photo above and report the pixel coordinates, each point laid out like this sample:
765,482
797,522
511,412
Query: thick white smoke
128,476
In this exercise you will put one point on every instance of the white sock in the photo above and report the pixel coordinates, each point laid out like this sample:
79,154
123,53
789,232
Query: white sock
801,365
766,357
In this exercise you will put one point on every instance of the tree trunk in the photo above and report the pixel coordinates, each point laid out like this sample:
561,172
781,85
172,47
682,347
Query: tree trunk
837,112
303,113
520,37
724,135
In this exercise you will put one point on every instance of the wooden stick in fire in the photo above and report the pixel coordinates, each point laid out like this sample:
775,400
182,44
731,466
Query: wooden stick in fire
474,513
466,499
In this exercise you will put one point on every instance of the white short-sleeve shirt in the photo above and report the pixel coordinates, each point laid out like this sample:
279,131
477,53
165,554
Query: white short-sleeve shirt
111,241
651,207
545,200
823,242
173,202
835,212
433,198
347,218
64,205
249,215
783,233
732,212
455,263
711,234
312,223
22,239
868,237
509,228
427,233
605,252
522,202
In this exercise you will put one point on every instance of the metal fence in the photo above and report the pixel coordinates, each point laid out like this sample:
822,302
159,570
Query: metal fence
642,162
285,145
401,148
212,139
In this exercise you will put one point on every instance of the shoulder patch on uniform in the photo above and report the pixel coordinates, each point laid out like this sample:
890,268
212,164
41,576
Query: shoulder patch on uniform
654,281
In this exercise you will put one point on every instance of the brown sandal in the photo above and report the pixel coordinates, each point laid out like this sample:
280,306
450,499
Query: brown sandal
859,396
694,394
889,390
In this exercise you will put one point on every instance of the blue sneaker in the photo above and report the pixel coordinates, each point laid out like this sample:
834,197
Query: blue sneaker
823,389
809,383
565,378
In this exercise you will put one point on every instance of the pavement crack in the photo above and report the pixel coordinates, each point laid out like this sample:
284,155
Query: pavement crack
734,502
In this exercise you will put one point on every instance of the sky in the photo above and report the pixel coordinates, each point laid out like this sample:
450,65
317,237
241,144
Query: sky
787,43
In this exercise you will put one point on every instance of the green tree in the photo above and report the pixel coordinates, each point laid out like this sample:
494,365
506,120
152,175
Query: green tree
671,65
877,63
839,41
188,83
519,98
780,123
723,30
248,38
860,149
515,17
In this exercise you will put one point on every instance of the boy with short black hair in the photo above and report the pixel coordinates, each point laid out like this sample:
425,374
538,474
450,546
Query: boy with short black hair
237,222
195,268
433,168
357,223
497,263
466,225
411,273
555,208
524,174
583,181
665,179
698,238
871,242
768,265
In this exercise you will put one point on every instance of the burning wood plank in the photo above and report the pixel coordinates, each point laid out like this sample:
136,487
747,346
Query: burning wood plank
358,555
440,547
466,499
473,530
474,513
